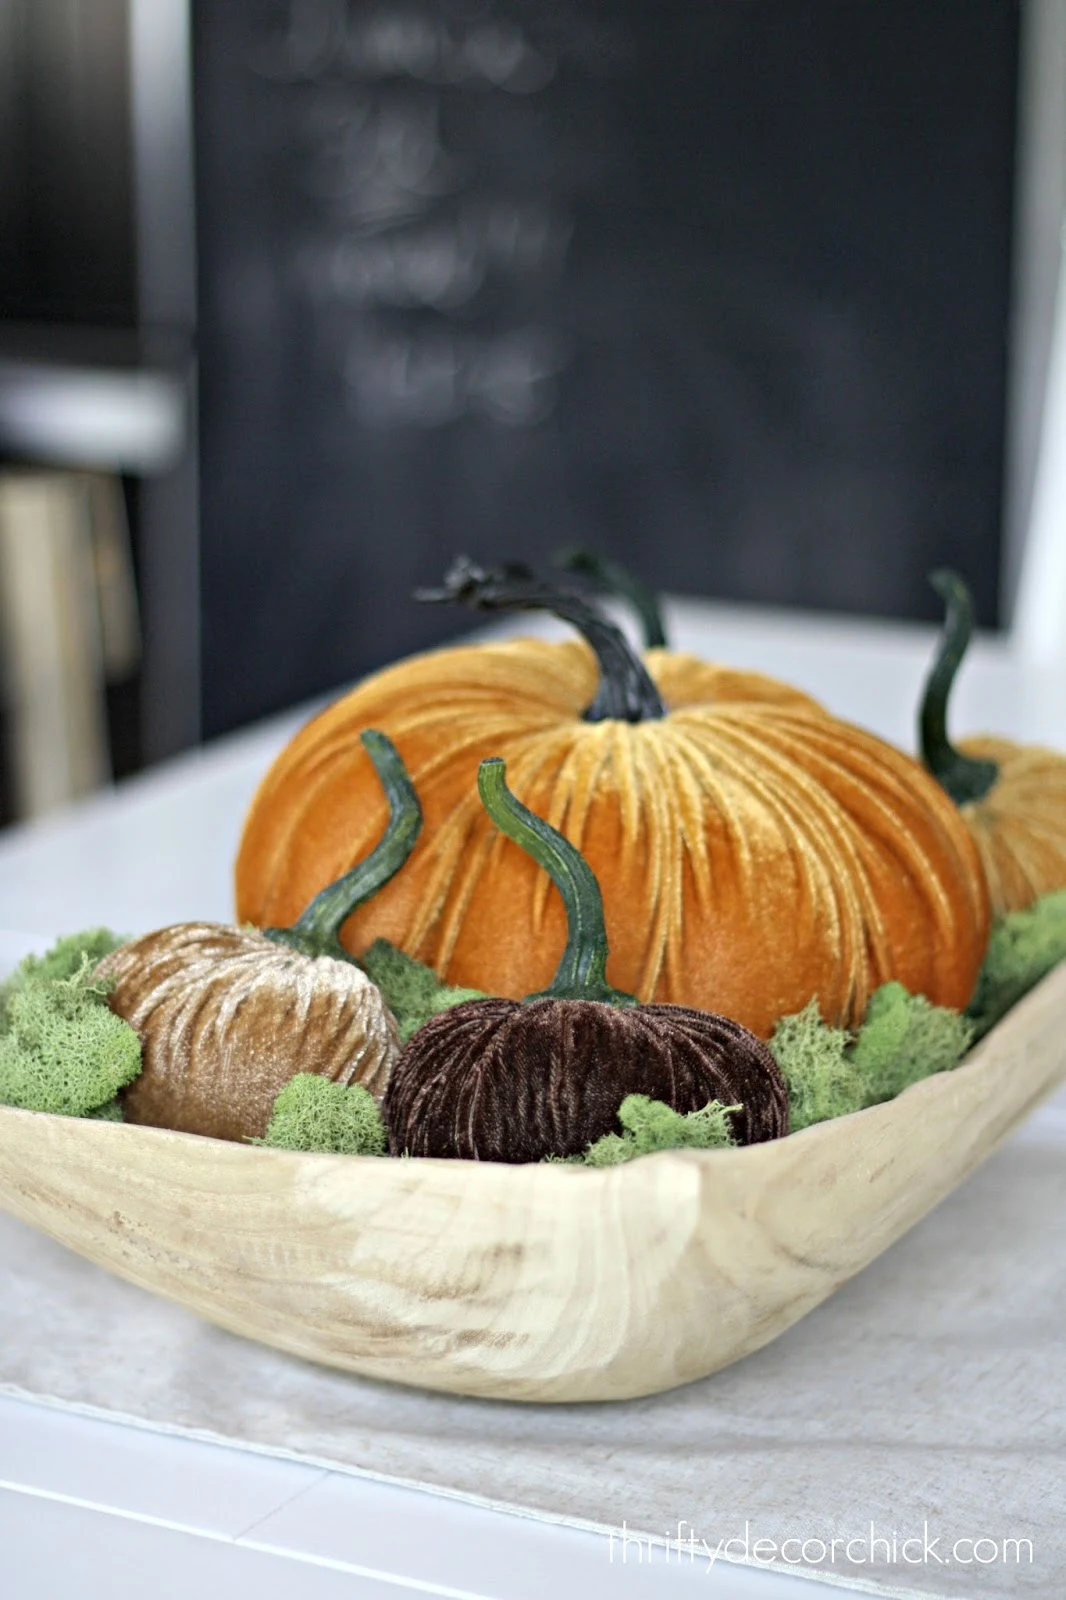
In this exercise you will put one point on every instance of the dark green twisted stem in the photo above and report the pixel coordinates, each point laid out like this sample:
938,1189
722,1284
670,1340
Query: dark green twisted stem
582,972
964,778
316,932
626,693
616,579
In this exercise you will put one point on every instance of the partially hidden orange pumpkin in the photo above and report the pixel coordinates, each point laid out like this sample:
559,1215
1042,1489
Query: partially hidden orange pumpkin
753,851
1012,796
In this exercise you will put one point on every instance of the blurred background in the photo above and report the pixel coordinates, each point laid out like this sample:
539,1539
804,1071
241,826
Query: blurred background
300,297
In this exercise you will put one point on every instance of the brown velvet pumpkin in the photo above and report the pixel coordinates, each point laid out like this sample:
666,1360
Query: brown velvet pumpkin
1012,796
228,1016
509,1080
752,850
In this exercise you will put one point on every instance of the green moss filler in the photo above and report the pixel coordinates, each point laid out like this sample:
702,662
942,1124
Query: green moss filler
830,1073
61,1048
822,1082
63,960
413,992
1024,947
316,1115
904,1039
111,1112
652,1125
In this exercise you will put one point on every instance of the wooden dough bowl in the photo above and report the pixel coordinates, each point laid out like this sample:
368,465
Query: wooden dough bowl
548,1282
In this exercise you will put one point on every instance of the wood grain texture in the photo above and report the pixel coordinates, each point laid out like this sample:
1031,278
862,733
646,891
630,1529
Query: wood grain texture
545,1282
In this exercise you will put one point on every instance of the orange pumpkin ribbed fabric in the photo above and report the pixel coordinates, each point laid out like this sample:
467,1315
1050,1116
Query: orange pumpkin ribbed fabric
752,850
1019,826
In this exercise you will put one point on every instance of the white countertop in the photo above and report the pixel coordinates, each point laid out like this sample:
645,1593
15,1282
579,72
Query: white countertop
90,1508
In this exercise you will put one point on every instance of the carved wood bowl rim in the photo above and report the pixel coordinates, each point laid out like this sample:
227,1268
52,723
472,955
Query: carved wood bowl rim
544,1282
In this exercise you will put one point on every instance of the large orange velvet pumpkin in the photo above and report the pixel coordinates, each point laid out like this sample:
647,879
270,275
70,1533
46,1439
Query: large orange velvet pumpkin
753,851
1012,796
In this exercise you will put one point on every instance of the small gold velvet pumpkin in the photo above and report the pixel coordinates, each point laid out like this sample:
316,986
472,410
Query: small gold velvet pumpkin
752,850
1012,797
228,1016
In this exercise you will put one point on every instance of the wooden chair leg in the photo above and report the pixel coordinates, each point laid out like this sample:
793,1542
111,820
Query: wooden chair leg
116,590
50,635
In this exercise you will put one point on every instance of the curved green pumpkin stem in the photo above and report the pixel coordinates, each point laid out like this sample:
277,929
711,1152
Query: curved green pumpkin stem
316,932
964,778
582,972
626,693
616,579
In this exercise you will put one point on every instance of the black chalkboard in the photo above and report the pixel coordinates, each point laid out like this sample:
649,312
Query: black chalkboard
720,288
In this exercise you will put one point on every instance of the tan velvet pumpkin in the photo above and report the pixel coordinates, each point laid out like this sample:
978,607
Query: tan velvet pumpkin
752,850
228,1016
1012,796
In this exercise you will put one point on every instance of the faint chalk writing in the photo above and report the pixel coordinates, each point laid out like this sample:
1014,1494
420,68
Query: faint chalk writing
495,52
408,223
439,375
378,159
404,41
440,264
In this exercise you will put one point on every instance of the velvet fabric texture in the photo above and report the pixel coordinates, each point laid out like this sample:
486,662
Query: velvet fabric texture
226,1018
502,1080
752,851
1019,826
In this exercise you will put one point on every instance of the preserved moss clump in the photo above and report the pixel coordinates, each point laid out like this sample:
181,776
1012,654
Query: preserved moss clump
316,1115
651,1125
1023,948
111,1112
831,1073
61,1048
63,960
813,1058
904,1039
412,991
